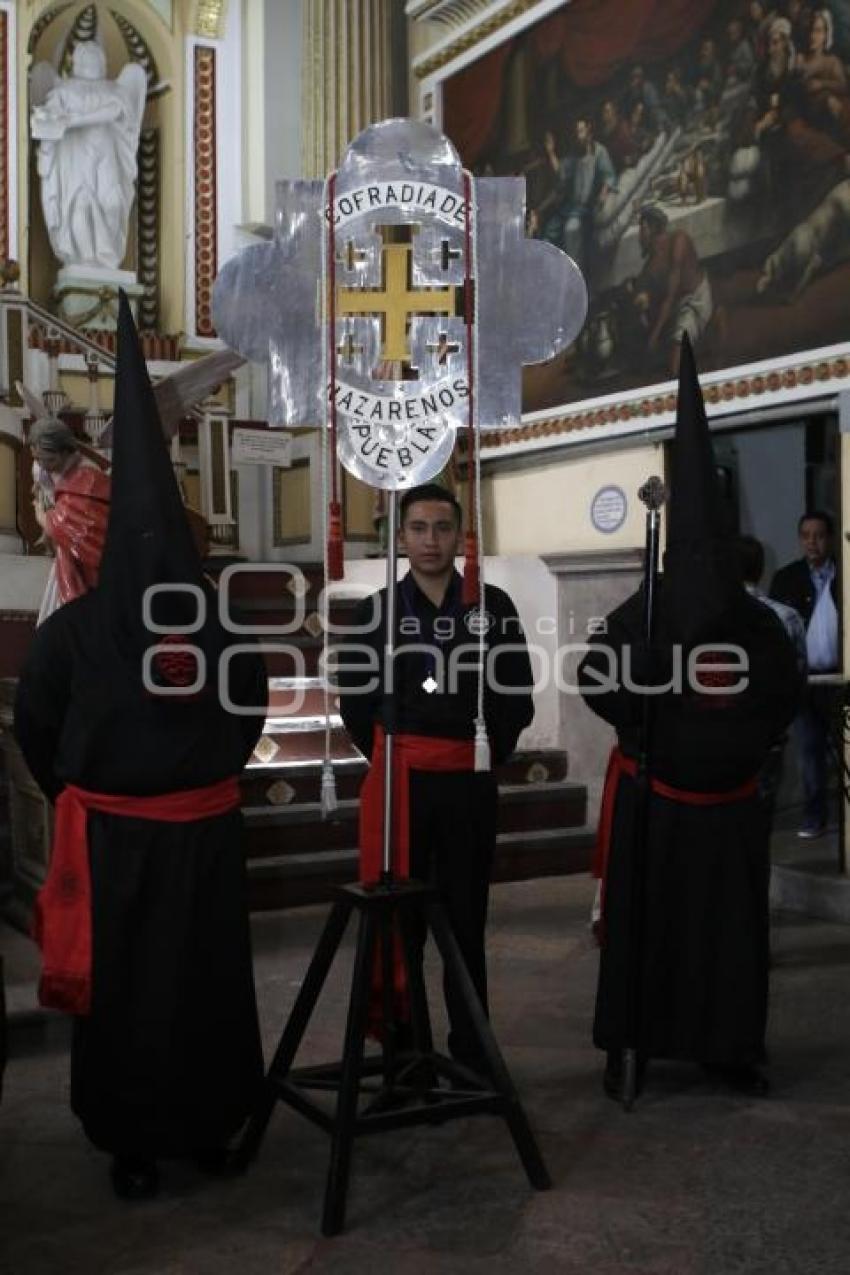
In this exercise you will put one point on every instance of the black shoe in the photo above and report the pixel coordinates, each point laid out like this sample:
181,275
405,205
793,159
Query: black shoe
612,1076
745,1079
134,1177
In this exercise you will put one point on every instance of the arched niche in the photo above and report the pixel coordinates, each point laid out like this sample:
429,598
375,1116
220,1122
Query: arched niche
128,30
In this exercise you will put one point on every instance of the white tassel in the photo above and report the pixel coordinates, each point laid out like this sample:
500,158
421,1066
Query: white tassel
328,798
482,745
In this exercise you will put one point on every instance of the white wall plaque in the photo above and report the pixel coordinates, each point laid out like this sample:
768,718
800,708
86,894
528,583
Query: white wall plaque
261,447
608,509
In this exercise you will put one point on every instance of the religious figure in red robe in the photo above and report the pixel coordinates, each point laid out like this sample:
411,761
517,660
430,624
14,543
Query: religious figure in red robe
71,497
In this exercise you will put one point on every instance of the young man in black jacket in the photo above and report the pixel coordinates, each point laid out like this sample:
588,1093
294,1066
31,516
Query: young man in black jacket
451,833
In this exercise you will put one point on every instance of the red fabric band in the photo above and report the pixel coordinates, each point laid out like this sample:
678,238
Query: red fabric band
62,922
618,765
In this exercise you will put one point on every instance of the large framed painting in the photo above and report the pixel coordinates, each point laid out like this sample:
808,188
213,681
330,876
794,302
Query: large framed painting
693,156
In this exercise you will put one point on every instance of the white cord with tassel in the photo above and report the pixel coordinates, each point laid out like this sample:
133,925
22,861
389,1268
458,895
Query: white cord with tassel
328,797
482,744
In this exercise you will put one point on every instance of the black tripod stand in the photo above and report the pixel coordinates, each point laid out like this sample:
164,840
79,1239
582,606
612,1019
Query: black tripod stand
401,1085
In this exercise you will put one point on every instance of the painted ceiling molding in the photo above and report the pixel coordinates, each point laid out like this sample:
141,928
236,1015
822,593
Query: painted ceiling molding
450,13
794,383
208,19
490,21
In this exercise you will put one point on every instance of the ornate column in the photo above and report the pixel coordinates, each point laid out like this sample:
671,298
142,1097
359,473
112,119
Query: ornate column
347,76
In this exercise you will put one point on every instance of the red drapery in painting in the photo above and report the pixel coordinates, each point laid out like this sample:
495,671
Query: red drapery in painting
471,102
592,38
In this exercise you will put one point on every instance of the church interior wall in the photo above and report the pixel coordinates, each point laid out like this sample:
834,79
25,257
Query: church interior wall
254,137
590,585
282,77
546,508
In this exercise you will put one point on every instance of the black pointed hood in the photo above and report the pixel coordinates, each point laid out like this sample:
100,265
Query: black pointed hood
148,540
700,579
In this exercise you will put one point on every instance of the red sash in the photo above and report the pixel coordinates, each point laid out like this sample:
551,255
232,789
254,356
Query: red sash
410,752
62,922
618,765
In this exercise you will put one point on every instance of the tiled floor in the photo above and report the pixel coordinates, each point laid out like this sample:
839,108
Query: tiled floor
695,1180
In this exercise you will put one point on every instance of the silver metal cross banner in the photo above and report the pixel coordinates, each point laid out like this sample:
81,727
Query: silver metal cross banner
409,260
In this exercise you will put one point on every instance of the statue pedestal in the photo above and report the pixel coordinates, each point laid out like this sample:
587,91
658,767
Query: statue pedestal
87,296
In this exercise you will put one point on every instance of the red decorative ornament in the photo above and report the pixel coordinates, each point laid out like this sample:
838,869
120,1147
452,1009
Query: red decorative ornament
176,668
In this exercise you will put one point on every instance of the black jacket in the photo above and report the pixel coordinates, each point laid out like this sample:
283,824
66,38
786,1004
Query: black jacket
793,585
450,711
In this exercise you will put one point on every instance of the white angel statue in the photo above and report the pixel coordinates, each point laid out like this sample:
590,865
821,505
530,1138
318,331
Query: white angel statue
88,132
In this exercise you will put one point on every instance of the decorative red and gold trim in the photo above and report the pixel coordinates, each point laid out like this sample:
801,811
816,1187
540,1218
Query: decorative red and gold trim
164,349
735,391
148,227
206,245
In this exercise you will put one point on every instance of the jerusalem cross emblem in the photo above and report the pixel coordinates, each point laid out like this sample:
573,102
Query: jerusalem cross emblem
425,277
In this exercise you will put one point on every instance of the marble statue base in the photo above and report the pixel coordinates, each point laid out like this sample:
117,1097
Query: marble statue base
87,296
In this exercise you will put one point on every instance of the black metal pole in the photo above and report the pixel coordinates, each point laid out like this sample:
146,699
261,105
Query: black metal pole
652,494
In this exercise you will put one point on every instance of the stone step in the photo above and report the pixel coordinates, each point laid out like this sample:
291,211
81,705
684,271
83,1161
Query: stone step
255,582
294,772
275,831
310,877
280,620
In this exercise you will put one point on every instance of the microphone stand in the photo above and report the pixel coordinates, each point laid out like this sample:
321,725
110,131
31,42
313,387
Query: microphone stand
652,494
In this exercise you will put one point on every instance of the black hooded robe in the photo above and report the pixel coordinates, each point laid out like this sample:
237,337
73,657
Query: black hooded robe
704,967
169,1060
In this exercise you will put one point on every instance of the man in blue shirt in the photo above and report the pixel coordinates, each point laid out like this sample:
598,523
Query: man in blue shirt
585,177
809,585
